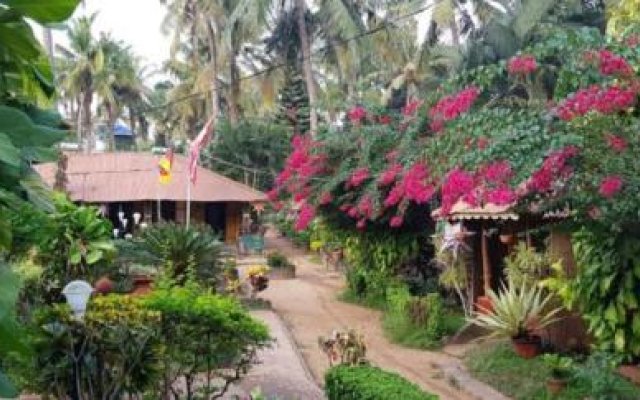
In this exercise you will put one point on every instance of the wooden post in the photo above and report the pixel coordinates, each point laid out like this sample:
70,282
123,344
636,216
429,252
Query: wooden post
486,262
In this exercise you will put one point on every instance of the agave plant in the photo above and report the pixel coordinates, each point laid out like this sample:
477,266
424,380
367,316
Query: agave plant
517,311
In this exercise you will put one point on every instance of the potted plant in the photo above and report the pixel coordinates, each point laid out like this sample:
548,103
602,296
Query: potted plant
560,372
104,285
508,238
517,313
258,278
280,266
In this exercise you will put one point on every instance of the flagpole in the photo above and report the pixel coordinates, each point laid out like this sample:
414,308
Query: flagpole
188,171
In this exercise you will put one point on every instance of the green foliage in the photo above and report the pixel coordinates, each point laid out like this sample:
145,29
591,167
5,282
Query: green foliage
419,322
525,265
178,251
370,383
114,350
204,333
524,379
560,367
605,289
517,310
278,260
621,15
252,152
293,102
11,339
72,242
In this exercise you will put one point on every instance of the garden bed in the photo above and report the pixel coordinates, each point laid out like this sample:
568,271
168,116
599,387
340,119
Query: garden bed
521,379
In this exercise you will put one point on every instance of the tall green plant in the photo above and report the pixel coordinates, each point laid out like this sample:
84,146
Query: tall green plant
178,251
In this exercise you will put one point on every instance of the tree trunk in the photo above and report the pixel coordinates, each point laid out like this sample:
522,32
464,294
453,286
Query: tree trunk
234,86
87,131
213,58
111,121
132,122
305,44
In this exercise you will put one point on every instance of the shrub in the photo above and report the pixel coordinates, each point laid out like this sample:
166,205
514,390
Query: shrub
370,383
178,250
210,340
115,350
277,260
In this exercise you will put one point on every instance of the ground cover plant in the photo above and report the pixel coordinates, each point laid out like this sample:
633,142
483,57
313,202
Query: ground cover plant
370,383
524,379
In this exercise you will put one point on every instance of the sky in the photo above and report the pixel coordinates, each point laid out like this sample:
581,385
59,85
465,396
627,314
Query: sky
136,22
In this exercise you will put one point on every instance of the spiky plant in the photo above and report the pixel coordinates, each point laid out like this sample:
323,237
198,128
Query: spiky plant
517,311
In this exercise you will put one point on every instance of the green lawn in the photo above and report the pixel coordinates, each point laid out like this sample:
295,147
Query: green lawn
498,366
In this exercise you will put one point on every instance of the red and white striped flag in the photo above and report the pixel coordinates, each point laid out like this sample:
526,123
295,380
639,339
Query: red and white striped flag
198,143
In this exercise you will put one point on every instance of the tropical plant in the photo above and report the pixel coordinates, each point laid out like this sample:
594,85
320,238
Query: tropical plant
277,260
604,289
113,352
210,341
452,259
516,312
525,265
252,152
622,15
178,251
560,367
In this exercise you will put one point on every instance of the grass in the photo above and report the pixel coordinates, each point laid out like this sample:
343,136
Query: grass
498,366
401,331
375,302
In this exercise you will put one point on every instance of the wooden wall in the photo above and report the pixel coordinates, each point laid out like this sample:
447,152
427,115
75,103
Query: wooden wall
234,219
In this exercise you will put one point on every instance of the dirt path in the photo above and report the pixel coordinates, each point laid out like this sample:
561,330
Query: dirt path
310,308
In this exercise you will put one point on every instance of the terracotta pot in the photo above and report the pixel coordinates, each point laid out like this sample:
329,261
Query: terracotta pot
141,285
484,305
103,285
527,347
556,385
508,239
631,372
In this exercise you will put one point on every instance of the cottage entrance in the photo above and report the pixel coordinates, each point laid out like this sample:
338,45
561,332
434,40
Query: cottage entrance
215,215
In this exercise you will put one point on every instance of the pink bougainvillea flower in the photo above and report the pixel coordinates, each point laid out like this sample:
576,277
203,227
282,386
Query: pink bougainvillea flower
416,185
272,195
610,186
302,194
388,176
607,100
395,195
411,107
357,114
396,221
365,206
457,184
277,205
497,172
325,198
613,64
353,212
361,224
450,107
501,196
554,168
522,65
358,176
482,142
345,208
306,214
384,119
616,143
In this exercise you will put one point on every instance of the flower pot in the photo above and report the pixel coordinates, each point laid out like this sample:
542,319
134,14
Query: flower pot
141,285
484,305
527,346
556,385
103,285
508,239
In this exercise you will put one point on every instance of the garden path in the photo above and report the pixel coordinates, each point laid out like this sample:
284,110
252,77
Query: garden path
309,306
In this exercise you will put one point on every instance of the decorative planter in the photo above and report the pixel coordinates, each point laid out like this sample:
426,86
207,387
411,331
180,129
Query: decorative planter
103,285
288,272
556,385
484,305
141,285
527,347
508,239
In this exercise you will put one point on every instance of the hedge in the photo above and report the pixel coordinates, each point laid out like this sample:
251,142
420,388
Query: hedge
370,383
